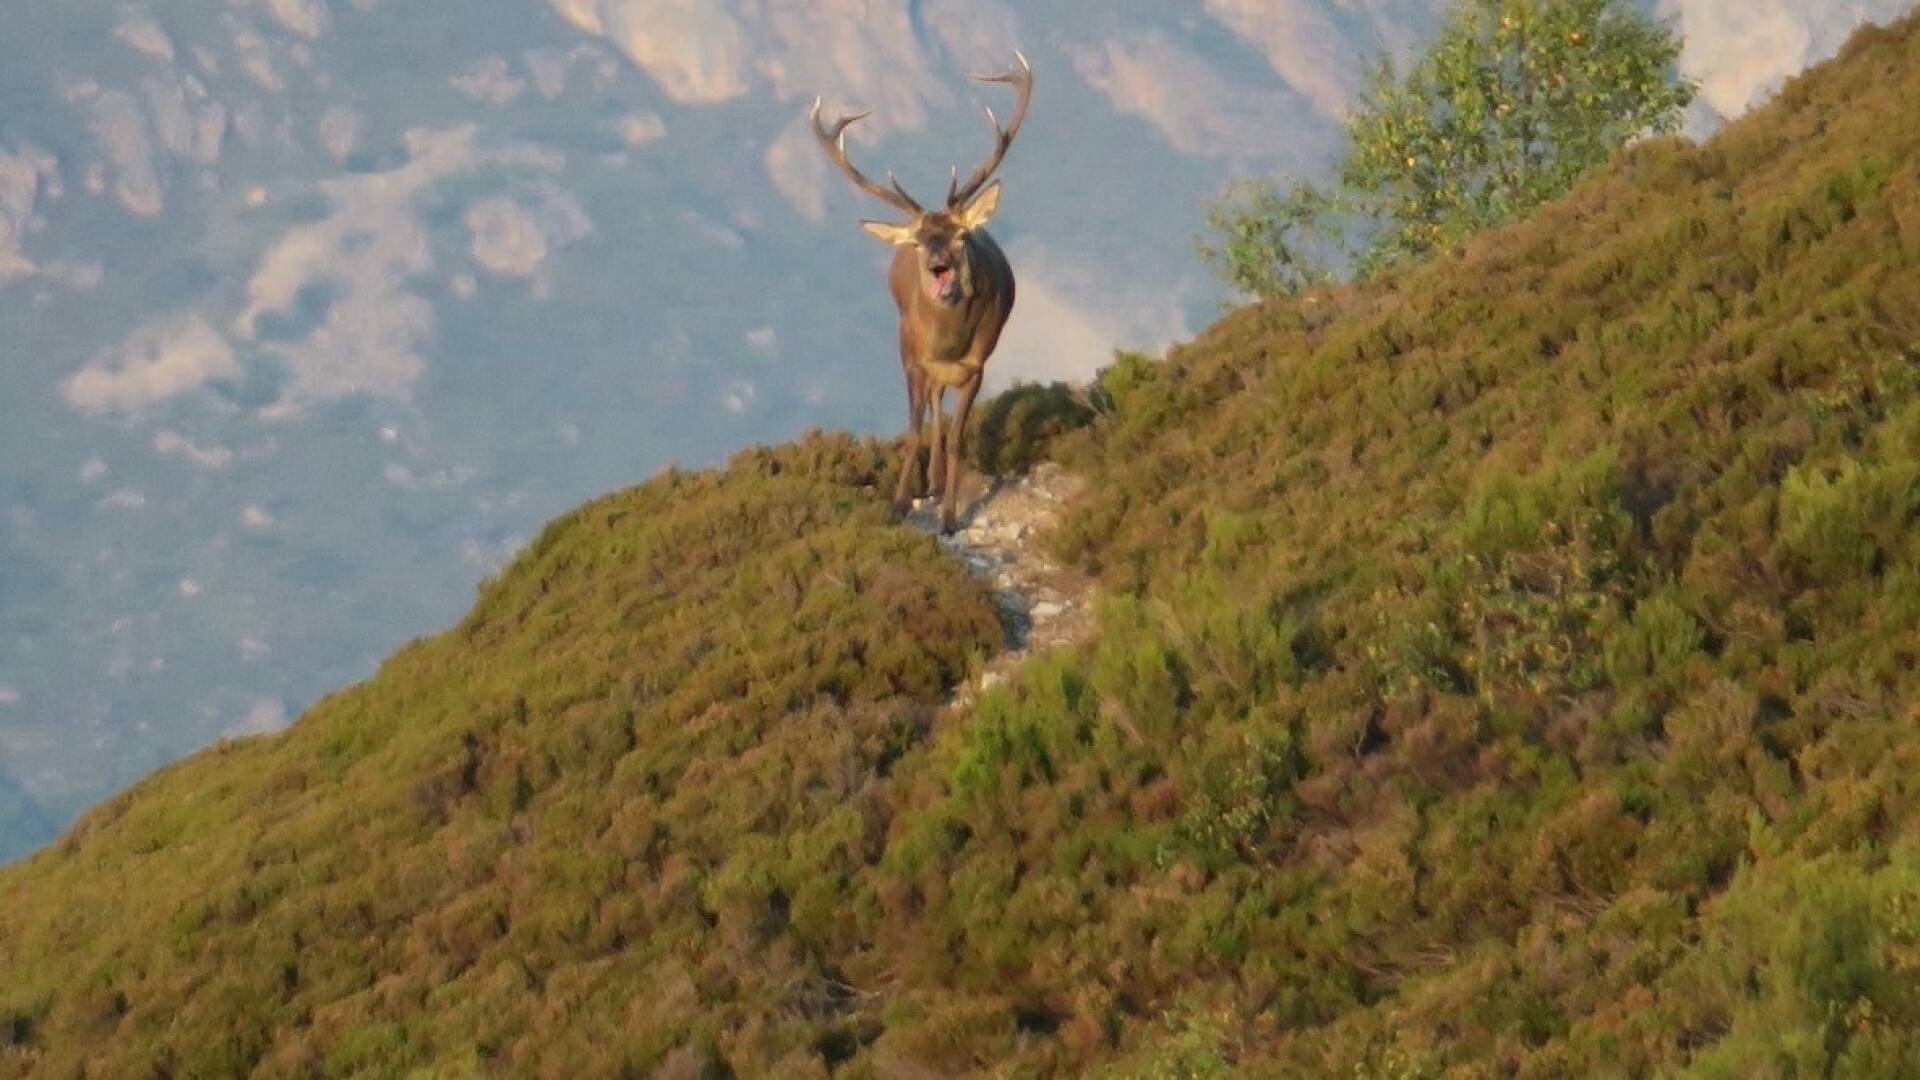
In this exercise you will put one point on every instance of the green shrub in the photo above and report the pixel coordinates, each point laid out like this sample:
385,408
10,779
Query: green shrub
1656,644
1513,102
1843,525
1505,667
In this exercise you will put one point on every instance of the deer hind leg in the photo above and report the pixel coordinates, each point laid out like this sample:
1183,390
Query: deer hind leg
909,485
955,444
936,456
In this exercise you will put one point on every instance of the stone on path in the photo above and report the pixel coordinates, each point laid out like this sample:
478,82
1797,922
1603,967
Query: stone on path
996,544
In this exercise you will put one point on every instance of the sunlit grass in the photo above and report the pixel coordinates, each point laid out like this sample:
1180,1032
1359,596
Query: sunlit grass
1508,668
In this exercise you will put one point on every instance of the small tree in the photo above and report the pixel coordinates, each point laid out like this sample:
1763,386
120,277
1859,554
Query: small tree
1272,242
1509,106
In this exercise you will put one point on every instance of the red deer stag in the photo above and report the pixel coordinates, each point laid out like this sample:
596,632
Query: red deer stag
954,289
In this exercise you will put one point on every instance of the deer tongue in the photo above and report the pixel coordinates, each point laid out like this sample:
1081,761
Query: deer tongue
941,288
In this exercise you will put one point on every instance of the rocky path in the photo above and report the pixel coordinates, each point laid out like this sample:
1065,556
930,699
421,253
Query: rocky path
1042,604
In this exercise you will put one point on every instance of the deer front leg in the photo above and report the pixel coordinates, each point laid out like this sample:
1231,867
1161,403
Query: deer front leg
955,443
936,456
908,485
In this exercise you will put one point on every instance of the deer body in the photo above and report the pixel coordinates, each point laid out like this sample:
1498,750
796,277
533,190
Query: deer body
944,339
955,291
944,348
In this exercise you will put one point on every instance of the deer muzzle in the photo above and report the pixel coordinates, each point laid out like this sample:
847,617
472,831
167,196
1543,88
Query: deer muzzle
943,283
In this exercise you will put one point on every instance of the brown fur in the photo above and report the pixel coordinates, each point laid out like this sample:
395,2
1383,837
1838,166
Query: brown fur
944,348
944,345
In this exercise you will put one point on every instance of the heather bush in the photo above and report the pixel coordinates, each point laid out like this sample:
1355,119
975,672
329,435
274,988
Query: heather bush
1505,666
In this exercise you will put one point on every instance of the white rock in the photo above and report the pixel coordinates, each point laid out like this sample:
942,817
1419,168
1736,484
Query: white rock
1047,609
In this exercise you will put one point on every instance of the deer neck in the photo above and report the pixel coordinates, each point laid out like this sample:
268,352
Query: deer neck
948,332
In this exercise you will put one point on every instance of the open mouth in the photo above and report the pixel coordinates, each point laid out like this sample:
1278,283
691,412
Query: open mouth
943,282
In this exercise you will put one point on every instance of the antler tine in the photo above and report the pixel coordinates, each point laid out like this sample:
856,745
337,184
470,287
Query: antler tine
1025,72
833,139
1022,81
901,191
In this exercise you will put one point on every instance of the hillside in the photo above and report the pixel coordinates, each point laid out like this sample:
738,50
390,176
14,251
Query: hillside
324,307
1506,668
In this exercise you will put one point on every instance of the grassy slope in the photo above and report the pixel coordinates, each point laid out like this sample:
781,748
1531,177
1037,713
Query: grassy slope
1509,667
522,840
1594,553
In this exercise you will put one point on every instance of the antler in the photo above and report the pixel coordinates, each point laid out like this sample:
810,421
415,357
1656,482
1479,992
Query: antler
959,194
834,139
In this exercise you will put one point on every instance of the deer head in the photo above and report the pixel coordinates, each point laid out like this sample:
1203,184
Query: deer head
939,237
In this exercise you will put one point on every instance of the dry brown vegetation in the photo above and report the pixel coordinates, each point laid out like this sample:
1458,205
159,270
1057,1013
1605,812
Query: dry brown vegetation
1508,669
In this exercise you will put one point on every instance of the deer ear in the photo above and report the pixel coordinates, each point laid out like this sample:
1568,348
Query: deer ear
980,210
897,235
